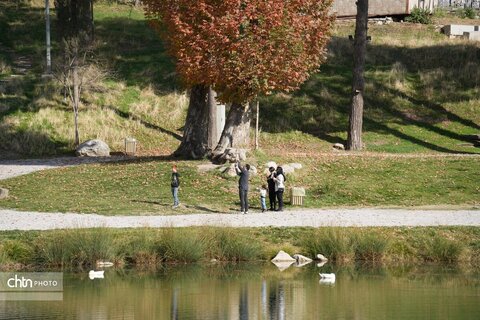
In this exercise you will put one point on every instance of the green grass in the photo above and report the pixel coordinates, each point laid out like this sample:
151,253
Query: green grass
334,243
150,248
177,246
230,245
370,246
440,249
422,91
143,186
421,94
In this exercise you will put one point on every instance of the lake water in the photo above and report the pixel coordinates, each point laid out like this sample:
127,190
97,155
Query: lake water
247,291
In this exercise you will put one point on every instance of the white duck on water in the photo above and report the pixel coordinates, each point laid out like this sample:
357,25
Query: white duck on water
330,276
327,278
96,274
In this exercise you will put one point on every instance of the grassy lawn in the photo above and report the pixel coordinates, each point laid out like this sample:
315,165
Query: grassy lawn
144,186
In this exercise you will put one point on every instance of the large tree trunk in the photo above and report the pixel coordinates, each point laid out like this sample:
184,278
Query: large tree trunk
354,141
75,17
236,134
195,134
216,119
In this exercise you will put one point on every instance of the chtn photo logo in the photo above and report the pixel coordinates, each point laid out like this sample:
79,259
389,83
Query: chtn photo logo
17,282
23,282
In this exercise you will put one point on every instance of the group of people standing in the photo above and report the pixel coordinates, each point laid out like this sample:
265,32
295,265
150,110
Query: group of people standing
275,187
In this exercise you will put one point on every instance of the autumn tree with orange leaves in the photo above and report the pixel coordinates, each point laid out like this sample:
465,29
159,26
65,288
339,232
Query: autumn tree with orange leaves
241,49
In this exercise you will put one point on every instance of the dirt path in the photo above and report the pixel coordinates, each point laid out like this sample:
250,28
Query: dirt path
16,220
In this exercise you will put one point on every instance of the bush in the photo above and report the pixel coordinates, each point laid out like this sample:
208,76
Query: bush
178,245
51,250
229,245
334,243
370,246
440,13
141,249
467,13
16,251
439,249
78,248
4,259
419,15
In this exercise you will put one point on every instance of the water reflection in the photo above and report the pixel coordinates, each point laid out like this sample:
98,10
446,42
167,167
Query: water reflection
262,292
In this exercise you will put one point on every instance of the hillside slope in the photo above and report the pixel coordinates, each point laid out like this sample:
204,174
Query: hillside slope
423,91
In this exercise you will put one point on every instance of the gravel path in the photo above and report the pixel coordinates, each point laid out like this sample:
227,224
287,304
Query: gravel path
17,220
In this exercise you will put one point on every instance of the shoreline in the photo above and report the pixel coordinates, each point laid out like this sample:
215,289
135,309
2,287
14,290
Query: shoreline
149,247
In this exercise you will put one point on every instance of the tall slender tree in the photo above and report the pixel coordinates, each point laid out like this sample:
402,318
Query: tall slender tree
243,49
75,27
354,141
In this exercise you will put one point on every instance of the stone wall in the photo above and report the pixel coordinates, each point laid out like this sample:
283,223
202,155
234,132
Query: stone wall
347,8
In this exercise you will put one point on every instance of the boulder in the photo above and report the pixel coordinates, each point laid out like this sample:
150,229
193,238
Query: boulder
287,169
93,148
296,166
207,167
233,155
253,170
222,168
321,257
3,193
302,259
339,146
282,256
271,164
230,171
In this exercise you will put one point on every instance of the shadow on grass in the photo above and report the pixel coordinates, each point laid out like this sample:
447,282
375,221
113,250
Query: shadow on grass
321,106
129,115
169,205
202,208
15,142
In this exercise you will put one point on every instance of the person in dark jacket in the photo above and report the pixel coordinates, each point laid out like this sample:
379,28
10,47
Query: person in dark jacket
243,172
271,188
175,184
280,187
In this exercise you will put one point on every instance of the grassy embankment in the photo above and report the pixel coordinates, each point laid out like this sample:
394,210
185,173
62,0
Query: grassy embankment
151,247
422,91
143,187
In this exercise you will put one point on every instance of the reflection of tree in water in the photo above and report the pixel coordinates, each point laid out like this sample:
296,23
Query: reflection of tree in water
276,301
243,307
264,299
174,309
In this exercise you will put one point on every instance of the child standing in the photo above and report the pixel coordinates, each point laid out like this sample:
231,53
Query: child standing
263,195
